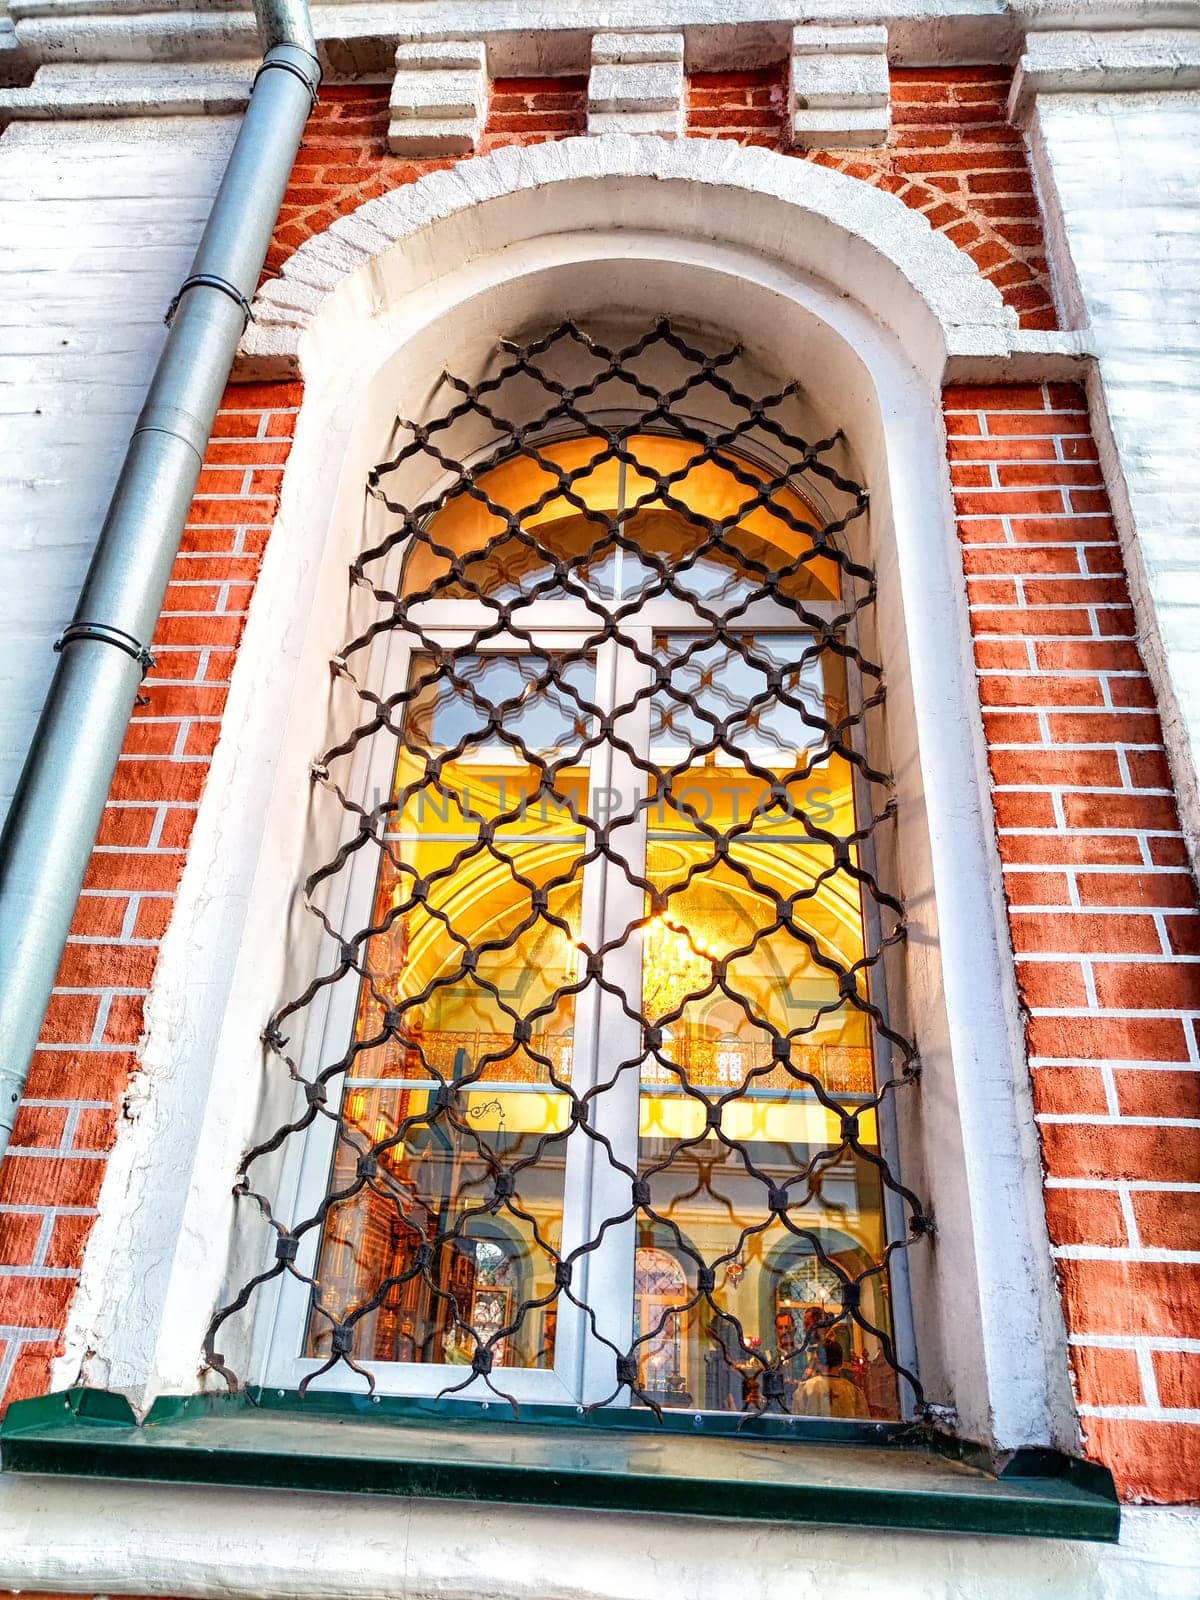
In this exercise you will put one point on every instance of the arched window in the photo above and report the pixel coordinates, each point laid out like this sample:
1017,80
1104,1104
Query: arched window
605,936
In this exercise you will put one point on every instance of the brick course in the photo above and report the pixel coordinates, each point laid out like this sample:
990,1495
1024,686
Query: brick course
1103,915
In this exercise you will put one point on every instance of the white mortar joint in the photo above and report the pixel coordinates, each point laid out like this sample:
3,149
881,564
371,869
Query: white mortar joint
439,98
637,84
839,90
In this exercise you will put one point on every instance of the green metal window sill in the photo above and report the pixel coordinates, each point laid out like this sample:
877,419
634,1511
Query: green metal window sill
770,1469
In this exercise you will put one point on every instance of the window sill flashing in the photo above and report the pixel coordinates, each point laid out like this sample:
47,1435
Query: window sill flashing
876,1474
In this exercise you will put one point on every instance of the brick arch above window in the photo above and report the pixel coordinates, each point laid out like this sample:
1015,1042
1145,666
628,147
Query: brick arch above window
809,218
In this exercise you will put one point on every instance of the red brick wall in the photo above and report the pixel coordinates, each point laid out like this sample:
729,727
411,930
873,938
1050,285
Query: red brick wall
344,158
950,155
68,1120
1087,823
1103,912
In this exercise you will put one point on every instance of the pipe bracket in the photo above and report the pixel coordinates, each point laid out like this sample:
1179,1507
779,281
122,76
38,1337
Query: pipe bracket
296,72
210,280
103,633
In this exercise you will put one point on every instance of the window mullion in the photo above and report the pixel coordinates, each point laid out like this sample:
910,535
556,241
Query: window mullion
614,1111
582,1154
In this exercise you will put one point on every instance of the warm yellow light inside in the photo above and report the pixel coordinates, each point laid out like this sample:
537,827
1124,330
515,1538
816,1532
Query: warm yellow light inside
719,976
651,494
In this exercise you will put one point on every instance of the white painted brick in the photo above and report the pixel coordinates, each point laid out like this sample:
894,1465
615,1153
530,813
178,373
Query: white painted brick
812,38
669,123
1122,175
616,48
122,90
644,86
436,94
835,130
438,101
100,221
839,90
637,84
829,81
447,55
422,137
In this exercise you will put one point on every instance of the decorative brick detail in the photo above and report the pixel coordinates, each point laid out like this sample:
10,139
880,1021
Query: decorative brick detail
838,93
951,154
636,84
438,99
1103,912
51,1178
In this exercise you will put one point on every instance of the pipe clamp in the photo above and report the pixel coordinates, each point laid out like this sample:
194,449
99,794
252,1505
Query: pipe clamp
209,280
102,633
296,72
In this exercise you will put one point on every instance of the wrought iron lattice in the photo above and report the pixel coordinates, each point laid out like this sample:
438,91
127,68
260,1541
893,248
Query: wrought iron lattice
596,1081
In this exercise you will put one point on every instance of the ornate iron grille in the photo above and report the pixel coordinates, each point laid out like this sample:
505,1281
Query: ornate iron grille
596,1082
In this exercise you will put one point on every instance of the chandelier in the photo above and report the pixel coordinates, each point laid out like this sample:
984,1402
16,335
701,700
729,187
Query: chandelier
675,964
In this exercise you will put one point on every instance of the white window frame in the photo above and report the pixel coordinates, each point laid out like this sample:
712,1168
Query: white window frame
582,1373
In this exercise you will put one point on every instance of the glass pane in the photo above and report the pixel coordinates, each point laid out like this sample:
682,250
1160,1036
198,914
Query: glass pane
719,701
462,1054
757,1048
635,518
723,529
502,540
432,1188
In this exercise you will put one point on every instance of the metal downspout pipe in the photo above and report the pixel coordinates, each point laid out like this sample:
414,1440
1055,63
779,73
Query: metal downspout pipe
103,655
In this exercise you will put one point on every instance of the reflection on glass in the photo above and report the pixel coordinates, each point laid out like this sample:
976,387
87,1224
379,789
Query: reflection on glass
739,952
433,1182
754,1046
444,1087
660,1287
634,521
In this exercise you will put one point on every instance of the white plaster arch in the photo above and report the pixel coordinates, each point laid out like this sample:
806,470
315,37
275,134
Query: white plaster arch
807,217
373,328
